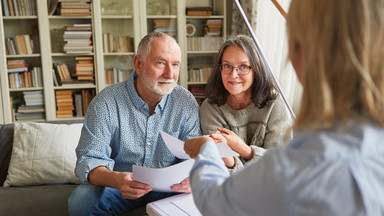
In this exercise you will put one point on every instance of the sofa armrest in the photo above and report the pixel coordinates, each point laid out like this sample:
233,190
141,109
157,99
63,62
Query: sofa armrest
6,142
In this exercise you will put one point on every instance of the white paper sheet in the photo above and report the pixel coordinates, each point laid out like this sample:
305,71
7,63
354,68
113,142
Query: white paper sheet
180,205
161,179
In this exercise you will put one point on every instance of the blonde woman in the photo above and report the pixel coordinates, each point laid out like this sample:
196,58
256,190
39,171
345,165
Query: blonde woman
335,163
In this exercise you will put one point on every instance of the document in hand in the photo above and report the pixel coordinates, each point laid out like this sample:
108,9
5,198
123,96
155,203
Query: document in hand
161,179
181,205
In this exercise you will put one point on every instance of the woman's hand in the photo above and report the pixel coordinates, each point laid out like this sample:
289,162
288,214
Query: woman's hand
192,146
235,143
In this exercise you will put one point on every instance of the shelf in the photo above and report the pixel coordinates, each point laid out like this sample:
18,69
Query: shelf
130,19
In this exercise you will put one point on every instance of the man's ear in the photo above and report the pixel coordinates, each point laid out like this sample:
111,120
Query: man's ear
137,62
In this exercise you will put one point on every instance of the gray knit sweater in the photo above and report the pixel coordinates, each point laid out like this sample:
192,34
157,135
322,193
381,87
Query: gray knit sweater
260,129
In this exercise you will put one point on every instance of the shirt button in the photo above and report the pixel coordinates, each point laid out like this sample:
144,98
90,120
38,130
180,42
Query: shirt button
149,143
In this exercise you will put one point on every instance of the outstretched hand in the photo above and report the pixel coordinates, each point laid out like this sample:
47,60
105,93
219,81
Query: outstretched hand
192,146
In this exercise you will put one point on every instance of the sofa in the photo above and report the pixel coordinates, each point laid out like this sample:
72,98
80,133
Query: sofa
26,190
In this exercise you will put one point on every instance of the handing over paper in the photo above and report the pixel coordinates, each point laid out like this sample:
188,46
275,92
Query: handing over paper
176,146
161,179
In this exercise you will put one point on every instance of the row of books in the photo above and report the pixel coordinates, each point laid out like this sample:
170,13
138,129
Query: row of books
206,43
19,7
26,79
70,104
113,43
199,74
78,38
21,76
21,44
114,75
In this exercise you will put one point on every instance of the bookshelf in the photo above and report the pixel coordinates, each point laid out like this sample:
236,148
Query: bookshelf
117,37
116,27
206,27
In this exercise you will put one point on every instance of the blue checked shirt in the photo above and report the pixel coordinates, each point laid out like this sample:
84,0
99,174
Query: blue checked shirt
119,132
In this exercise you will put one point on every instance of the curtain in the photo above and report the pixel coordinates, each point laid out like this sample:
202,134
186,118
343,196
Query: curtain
250,9
269,27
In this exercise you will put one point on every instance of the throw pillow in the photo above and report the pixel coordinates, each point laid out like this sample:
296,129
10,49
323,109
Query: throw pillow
43,153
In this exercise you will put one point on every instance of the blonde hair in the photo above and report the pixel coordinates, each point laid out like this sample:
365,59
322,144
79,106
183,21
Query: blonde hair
343,75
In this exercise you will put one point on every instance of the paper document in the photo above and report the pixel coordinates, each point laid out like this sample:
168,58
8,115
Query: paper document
176,146
161,179
180,205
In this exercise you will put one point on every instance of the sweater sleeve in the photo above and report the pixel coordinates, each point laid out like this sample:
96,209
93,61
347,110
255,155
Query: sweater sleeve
278,133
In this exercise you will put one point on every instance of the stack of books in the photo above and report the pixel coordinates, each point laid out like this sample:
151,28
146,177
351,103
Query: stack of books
113,43
199,11
75,8
168,26
33,108
78,38
84,68
35,112
64,104
213,27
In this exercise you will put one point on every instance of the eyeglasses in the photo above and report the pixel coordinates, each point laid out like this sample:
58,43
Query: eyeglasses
241,69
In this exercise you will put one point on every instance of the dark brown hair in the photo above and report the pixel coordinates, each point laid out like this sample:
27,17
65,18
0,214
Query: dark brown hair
263,89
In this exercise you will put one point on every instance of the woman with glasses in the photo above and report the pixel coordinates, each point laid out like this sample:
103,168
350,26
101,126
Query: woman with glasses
243,107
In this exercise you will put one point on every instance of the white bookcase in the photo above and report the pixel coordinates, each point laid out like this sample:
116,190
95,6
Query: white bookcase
130,19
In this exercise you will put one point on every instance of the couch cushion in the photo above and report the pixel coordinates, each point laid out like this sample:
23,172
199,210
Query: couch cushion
43,153
42,200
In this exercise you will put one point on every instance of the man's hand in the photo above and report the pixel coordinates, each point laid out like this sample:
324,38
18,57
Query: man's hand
123,181
183,187
192,146
131,189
